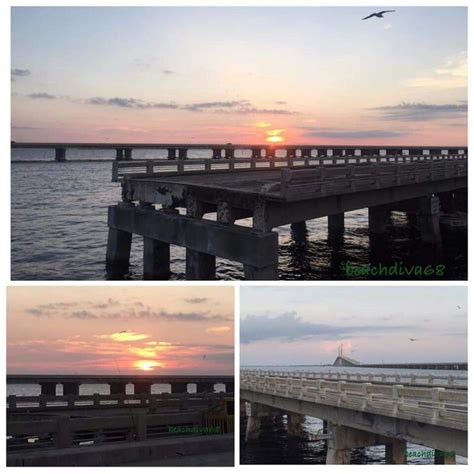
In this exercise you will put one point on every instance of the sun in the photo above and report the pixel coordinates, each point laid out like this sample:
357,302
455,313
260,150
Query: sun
146,365
275,139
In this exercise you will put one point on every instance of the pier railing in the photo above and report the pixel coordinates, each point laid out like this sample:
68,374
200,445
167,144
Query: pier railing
449,381
154,167
180,401
435,405
64,431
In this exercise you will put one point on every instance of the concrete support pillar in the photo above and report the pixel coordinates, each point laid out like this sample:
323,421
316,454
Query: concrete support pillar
204,387
156,259
295,428
396,452
141,388
444,457
229,153
265,273
254,420
339,446
269,152
305,152
60,154
428,219
256,153
216,153
182,153
48,388
127,154
299,231
71,388
119,244
171,153
200,266
179,387
336,226
117,388
229,387
119,154
379,218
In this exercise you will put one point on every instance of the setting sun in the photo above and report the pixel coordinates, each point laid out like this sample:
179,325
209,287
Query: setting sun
146,365
275,139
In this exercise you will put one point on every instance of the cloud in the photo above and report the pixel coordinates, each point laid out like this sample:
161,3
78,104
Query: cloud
190,316
196,300
130,103
341,133
451,75
83,314
41,95
168,72
218,329
234,106
124,336
20,72
420,112
290,326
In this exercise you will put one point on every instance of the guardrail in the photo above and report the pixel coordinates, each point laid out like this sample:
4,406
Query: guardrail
144,168
152,401
64,431
457,381
437,405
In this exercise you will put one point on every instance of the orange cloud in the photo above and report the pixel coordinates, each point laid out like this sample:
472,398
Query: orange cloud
218,329
124,336
262,124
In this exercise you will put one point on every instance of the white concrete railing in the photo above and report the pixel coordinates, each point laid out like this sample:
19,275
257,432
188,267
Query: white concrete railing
437,405
181,400
142,168
456,381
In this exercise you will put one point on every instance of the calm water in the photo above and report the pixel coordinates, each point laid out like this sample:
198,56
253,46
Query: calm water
59,230
275,447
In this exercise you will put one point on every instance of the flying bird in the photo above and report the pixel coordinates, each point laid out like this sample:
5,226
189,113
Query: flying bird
459,307
412,339
378,15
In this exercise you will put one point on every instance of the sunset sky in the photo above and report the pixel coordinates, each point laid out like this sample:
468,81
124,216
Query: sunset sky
306,325
119,330
240,75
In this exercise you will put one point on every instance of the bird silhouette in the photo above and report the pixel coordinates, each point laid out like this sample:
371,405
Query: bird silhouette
412,339
459,307
378,15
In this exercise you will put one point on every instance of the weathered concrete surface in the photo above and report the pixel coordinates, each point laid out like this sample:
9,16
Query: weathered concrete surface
156,259
160,450
437,437
227,241
336,226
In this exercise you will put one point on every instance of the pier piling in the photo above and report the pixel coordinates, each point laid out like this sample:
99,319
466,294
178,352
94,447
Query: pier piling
336,226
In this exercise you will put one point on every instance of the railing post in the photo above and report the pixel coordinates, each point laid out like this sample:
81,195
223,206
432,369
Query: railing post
11,402
438,403
63,432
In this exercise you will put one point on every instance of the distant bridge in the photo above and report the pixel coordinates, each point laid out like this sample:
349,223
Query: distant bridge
360,414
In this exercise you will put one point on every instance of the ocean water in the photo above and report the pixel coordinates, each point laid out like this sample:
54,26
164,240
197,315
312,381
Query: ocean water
275,446
59,230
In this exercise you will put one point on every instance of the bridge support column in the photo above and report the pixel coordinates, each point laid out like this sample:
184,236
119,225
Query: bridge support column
256,153
298,231
396,452
119,154
204,387
117,388
141,388
336,226
444,457
428,219
379,217
119,244
127,154
156,259
446,202
171,153
48,388
182,153
295,429
179,387
229,153
60,154
199,266
70,388
229,387
216,153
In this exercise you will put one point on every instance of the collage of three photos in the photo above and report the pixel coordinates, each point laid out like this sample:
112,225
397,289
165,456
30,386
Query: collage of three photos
235,239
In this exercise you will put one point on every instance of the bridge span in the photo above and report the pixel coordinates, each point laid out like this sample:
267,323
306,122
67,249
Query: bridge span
166,201
360,414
